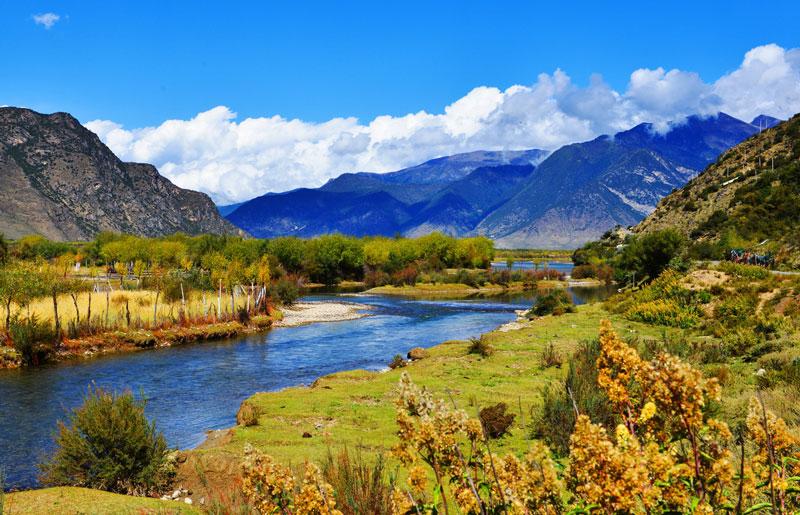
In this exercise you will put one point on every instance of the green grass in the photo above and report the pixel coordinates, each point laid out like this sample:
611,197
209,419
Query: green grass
356,409
72,500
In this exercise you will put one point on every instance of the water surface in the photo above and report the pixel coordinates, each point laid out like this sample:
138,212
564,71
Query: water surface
194,388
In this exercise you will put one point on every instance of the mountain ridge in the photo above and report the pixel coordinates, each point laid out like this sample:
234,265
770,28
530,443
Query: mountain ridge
59,180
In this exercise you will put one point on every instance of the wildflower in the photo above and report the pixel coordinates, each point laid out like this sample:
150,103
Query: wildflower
648,411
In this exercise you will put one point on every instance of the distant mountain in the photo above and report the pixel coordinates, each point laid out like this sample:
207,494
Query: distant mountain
749,197
583,189
390,203
763,121
228,209
520,199
59,180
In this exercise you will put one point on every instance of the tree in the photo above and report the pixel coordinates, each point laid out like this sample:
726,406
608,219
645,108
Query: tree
649,255
108,443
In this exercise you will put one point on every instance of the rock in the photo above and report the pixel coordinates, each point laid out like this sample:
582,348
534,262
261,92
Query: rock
188,500
417,353
180,458
317,426
202,500
61,181
176,494
306,435
165,497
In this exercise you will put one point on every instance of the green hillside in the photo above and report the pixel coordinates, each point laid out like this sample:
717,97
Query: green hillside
749,198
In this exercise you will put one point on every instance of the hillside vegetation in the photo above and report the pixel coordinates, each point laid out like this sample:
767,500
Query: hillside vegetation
748,199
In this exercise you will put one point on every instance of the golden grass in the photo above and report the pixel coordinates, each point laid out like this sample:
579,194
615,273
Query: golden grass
140,304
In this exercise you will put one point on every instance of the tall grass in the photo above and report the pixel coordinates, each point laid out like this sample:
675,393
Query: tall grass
359,486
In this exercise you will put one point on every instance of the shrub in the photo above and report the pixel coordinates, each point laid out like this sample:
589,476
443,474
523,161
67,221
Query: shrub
557,302
663,312
744,271
32,338
495,420
359,487
480,346
397,362
556,421
649,255
108,444
243,316
247,414
285,290
550,357
584,272
406,276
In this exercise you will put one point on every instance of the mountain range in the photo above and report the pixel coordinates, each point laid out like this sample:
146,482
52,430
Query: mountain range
57,179
529,198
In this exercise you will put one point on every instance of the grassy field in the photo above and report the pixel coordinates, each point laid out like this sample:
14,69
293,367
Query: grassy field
355,409
71,500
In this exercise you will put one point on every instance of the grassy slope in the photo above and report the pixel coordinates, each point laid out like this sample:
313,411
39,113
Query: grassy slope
68,500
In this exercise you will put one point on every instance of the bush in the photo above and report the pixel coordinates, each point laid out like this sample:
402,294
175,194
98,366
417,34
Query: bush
495,420
285,290
584,272
247,415
557,302
480,346
556,420
397,362
109,445
32,338
359,487
551,357
744,271
663,312
649,255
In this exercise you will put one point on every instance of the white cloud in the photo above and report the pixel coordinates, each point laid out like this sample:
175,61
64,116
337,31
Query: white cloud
236,160
47,20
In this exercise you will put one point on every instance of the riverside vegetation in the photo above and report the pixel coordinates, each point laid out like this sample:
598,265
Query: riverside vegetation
123,292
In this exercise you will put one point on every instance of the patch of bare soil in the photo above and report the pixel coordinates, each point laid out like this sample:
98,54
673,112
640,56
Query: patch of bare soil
704,279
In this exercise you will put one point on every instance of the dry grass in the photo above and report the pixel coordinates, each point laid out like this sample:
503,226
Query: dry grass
140,305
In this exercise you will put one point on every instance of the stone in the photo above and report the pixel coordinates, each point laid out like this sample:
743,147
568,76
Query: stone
176,494
417,353
188,500
306,435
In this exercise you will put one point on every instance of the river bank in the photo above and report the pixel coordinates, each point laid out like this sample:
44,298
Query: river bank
110,342
302,313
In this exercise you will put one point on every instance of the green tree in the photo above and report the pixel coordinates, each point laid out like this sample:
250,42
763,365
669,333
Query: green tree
648,255
109,444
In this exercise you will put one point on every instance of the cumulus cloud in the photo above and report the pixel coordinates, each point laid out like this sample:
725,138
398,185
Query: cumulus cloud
46,20
233,160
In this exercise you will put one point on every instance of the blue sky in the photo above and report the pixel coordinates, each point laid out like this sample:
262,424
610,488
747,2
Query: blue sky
240,98
140,63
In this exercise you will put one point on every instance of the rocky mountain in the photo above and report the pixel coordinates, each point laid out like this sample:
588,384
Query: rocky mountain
520,199
582,189
750,197
412,201
59,180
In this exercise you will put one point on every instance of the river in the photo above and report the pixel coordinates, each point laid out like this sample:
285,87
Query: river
194,388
